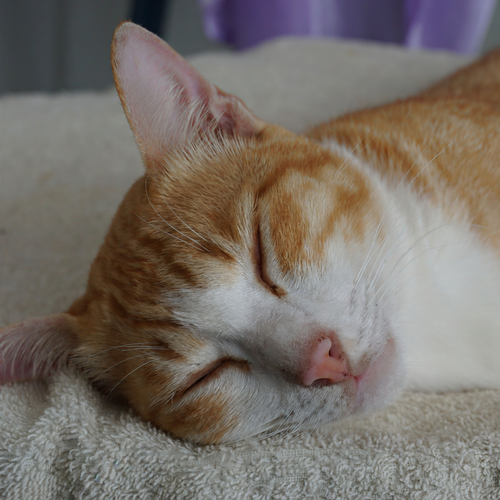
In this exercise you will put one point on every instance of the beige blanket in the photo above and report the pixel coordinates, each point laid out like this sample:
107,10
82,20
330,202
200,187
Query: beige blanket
66,161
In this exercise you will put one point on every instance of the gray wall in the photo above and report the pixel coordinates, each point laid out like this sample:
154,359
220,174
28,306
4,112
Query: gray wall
54,44
184,29
51,45
492,39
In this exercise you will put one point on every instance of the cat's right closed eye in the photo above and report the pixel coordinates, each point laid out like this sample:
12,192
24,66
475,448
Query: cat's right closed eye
257,281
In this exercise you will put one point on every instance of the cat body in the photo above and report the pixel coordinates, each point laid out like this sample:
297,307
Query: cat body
256,281
436,156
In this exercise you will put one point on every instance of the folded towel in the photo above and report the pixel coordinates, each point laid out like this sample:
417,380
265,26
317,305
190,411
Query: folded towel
61,439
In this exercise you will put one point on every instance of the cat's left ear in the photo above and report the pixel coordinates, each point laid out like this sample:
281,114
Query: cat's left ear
167,101
36,347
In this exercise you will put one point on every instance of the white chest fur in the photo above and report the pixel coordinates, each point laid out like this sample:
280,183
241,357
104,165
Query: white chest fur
450,314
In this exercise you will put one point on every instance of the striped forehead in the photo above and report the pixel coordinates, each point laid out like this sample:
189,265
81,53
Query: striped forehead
306,214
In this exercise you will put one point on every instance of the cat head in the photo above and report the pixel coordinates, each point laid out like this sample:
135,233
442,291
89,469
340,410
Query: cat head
232,295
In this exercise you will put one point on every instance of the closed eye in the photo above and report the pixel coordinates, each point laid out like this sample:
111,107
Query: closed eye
210,373
262,271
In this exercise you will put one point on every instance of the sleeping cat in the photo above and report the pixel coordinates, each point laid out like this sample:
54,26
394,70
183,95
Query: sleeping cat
256,281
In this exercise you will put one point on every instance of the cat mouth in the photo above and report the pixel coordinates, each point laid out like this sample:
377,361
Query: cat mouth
378,370
358,379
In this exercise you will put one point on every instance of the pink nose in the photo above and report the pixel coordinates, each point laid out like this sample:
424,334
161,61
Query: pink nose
325,365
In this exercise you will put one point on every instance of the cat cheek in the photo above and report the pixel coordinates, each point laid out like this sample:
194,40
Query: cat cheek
206,418
207,412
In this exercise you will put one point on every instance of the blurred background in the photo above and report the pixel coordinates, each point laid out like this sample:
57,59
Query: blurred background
53,45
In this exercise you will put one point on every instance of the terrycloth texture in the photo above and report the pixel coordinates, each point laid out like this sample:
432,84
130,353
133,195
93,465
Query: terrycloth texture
74,444
66,162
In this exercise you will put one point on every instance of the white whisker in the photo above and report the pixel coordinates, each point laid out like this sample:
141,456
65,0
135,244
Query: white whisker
165,232
446,147
348,157
130,373
386,213
172,210
128,347
406,253
116,364
168,224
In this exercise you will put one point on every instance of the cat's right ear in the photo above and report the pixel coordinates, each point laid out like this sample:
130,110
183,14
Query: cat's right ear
167,101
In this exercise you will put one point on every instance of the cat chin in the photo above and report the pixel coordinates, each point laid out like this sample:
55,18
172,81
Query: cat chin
379,385
382,382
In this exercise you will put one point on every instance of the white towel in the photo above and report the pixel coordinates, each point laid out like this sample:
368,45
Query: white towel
61,439
66,161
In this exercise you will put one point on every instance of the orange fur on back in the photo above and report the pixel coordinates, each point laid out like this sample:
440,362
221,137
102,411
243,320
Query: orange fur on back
444,142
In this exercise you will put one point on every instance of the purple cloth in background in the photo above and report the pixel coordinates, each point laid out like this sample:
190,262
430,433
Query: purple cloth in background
458,25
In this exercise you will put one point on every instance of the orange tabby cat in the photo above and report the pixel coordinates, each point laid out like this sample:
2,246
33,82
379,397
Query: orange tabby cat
254,280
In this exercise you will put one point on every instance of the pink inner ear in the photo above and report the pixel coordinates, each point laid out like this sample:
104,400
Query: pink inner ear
166,100
35,348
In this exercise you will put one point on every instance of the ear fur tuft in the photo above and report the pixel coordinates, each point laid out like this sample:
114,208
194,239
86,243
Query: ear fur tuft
167,102
37,347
